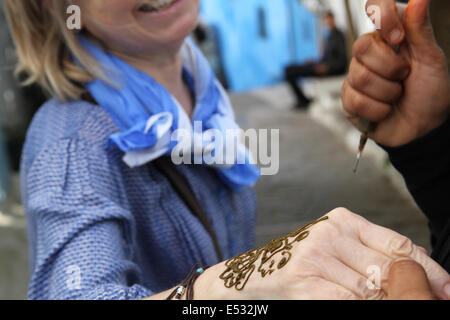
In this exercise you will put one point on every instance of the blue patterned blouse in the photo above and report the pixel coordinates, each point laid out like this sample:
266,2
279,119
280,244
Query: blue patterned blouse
100,230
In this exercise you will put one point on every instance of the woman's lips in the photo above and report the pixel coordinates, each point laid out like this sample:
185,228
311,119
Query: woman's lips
173,9
156,6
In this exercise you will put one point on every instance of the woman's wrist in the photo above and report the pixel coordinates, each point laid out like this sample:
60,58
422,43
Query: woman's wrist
209,286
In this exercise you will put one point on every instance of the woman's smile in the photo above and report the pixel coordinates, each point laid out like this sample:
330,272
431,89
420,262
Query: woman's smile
140,28
154,10
156,6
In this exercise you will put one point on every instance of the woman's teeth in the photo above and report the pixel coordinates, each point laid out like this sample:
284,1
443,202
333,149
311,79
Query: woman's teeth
155,5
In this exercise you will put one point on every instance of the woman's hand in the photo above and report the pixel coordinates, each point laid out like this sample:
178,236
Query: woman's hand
331,261
407,94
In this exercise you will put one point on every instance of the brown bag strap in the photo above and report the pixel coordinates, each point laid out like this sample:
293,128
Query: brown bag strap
182,187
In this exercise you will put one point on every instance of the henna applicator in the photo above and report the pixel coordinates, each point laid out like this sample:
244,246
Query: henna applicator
366,127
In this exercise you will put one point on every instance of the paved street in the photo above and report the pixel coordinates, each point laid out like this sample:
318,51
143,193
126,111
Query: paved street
315,177
316,174
13,248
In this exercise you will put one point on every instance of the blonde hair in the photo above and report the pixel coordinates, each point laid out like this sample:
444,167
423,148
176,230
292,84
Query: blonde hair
45,47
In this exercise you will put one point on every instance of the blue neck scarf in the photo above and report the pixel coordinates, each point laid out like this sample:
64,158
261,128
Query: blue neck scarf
149,117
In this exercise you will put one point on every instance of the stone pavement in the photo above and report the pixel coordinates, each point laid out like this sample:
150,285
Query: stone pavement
315,177
13,247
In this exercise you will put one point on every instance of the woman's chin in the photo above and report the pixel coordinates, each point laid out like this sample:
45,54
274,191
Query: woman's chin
174,35
172,24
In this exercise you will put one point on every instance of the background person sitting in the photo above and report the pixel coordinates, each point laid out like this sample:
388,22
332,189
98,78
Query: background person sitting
333,62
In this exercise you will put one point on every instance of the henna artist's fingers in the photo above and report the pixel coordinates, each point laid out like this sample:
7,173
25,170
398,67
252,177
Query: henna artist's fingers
371,51
408,281
395,245
357,105
387,19
372,85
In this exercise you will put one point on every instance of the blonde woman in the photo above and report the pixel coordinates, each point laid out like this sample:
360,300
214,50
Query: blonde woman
105,221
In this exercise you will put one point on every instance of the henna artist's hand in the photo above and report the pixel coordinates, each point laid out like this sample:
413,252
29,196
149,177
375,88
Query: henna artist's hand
327,260
408,281
407,94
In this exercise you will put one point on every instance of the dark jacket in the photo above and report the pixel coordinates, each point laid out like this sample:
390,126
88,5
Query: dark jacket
335,54
425,165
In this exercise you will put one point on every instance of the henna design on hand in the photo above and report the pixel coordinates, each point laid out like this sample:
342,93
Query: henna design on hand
274,255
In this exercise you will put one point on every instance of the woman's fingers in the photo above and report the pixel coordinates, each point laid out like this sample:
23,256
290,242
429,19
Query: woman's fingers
387,19
318,260
373,52
317,288
372,85
423,250
357,104
395,245
342,274
367,262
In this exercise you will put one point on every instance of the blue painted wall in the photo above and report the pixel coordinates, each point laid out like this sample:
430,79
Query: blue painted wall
258,38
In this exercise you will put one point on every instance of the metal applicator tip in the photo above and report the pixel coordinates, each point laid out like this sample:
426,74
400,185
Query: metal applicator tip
366,127
358,158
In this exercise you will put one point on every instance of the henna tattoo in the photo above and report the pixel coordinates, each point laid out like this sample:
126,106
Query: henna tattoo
274,255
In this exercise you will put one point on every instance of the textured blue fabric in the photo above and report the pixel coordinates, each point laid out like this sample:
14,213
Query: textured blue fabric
101,230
